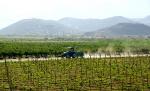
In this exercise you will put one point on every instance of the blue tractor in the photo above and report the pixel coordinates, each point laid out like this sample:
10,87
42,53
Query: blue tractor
71,53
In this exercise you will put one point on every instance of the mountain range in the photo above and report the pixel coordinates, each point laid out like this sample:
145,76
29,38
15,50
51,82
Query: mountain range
113,26
36,27
122,29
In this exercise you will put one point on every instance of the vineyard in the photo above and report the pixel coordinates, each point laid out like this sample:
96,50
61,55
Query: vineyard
107,73
15,49
103,74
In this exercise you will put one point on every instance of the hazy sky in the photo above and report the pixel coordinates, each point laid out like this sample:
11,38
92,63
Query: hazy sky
15,10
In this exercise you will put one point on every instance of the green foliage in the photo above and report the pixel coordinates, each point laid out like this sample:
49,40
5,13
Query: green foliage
118,47
40,48
78,74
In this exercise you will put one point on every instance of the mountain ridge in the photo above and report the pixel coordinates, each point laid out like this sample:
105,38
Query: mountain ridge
35,27
66,26
122,29
86,25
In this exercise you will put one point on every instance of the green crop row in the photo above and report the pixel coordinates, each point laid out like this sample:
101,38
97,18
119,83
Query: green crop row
20,48
107,74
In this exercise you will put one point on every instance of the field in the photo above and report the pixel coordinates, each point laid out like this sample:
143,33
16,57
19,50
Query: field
74,74
22,48
106,74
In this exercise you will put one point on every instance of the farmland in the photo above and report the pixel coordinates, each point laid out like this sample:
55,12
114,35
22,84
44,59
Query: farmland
74,74
104,74
20,48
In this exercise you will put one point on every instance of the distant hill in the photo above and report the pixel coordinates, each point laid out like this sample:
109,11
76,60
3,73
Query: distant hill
87,25
117,25
37,27
122,29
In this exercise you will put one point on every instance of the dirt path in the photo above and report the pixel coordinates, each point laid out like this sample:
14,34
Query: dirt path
103,55
96,55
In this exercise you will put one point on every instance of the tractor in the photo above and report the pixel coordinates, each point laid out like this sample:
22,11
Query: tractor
71,53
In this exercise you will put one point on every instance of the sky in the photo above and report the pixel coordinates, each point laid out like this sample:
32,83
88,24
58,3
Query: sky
14,10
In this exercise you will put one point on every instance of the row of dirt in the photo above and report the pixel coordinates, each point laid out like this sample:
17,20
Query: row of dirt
87,55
